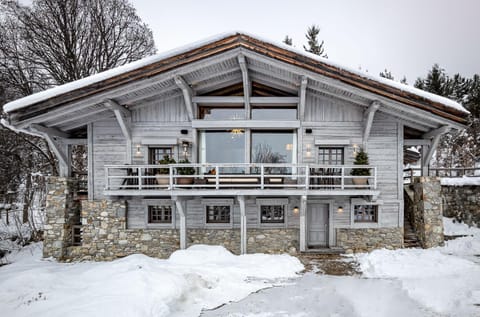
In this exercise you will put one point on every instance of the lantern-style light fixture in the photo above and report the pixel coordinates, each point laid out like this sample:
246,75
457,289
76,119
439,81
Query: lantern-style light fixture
138,152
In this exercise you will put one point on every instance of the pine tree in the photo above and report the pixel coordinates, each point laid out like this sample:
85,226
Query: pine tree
314,46
288,40
404,80
386,74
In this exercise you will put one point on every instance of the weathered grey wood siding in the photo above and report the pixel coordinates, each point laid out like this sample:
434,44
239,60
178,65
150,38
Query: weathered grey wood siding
109,147
137,214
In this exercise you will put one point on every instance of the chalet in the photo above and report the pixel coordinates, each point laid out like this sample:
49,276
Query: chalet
235,141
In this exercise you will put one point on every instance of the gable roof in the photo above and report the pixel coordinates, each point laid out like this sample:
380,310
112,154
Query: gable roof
156,64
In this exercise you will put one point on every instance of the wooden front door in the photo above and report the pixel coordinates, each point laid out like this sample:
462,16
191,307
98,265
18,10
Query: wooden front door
317,225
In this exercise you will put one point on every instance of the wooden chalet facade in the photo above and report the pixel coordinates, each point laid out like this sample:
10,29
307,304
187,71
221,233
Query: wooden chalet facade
270,134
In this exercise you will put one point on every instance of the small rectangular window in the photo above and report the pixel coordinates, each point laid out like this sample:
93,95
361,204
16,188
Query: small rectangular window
160,214
218,214
272,214
330,156
156,154
365,213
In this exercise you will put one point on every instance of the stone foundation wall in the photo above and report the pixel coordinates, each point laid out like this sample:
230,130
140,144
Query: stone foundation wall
462,203
366,240
263,240
427,211
105,236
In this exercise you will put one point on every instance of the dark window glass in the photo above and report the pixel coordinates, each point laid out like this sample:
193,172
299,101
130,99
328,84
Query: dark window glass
330,156
218,214
272,214
160,214
155,154
365,213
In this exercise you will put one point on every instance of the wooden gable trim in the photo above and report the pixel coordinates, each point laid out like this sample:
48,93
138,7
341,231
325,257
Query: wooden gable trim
261,47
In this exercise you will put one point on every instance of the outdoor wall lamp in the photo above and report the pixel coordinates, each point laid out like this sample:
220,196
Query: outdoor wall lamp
138,152
340,209
296,210
308,152
185,146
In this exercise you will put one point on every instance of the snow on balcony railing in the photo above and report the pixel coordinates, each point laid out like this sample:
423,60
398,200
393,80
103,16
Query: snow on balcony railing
262,176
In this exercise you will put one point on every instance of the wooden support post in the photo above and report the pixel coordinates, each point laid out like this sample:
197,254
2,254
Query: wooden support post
187,95
124,119
368,116
182,211
243,225
246,84
303,223
303,98
91,179
435,135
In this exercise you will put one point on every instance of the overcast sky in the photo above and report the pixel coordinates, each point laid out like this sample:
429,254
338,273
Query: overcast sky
406,36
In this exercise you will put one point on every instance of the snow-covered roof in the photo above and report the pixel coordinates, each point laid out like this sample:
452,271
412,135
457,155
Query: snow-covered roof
78,84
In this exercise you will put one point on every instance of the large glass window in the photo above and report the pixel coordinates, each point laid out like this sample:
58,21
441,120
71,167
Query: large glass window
223,147
273,147
222,113
274,113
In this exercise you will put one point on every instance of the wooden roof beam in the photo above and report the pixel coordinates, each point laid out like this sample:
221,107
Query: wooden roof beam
124,119
435,136
368,116
246,84
187,95
60,150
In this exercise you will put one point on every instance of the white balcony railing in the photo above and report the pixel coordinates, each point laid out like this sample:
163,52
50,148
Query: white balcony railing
261,176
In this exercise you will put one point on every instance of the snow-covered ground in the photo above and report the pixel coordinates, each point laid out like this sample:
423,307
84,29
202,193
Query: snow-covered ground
410,282
137,285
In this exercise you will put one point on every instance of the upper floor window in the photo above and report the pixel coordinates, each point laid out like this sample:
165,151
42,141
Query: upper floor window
156,154
222,112
274,112
330,155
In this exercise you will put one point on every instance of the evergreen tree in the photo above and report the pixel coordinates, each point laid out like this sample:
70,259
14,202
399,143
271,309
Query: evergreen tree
288,40
456,149
386,74
314,46
404,80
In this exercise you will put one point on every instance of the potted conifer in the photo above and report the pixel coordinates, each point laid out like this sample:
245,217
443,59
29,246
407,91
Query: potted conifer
161,172
360,159
185,170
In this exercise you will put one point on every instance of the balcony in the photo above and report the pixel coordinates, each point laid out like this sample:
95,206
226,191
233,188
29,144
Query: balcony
238,179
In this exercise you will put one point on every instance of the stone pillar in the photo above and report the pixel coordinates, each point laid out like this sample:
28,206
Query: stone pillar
61,211
427,211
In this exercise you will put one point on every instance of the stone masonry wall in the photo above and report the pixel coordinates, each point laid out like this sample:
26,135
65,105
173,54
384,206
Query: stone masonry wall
265,240
62,211
427,211
105,236
462,203
366,240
